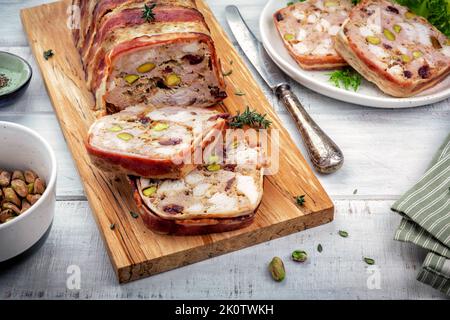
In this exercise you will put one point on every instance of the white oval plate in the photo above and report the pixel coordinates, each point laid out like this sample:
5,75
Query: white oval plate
367,95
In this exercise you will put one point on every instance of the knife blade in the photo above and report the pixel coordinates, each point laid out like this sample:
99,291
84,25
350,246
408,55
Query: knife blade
323,152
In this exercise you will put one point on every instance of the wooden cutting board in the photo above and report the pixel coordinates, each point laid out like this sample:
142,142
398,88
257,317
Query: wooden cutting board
135,251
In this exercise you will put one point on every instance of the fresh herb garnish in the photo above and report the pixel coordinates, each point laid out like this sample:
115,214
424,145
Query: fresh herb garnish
147,13
343,234
348,77
369,261
250,118
319,248
48,54
134,214
300,200
227,73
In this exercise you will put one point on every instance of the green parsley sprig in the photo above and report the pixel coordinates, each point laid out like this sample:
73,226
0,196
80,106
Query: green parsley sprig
347,77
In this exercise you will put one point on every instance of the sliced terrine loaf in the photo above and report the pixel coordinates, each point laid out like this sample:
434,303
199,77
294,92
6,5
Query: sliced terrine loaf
153,52
219,196
400,52
308,30
160,143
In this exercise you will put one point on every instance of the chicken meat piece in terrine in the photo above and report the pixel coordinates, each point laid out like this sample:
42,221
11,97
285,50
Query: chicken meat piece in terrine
161,143
156,53
220,195
400,52
308,30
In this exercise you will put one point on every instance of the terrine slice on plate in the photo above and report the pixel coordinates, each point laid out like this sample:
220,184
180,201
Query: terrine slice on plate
308,30
220,195
400,52
155,143
164,57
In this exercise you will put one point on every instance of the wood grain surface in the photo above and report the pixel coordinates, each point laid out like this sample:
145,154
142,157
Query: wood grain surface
135,251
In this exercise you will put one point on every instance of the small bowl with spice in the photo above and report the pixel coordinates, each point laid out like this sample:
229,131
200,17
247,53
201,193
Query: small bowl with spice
27,188
15,76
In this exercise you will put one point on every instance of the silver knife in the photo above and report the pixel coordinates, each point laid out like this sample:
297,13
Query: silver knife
325,155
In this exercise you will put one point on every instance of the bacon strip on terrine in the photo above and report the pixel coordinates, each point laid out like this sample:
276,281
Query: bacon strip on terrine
221,195
167,60
400,52
161,143
308,30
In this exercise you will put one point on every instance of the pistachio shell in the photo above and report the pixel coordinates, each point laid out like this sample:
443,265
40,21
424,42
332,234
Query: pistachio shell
397,28
389,35
20,187
289,36
172,80
146,67
131,78
160,126
39,186
125,136
5,178
30,176
148,192
11,196
373,40
17,174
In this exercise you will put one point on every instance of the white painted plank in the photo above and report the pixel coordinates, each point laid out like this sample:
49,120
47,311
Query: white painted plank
336,273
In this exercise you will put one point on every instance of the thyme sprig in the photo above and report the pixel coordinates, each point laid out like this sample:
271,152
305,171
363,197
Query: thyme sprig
147,13
250,118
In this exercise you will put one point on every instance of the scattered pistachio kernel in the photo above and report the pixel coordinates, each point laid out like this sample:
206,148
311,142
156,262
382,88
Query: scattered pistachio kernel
369,260
146,67
115,128
397,28
299,256
125,136
409,15
373,40
330,4
160,126
213,158
131,78
172,80
289,36
417,54
148,192
235,144
406,58
388,34
276,269
343,233
213,167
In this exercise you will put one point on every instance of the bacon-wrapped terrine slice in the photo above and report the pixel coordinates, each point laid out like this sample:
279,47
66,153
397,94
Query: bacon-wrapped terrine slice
168,58
308,30
221,195
400,52
161,143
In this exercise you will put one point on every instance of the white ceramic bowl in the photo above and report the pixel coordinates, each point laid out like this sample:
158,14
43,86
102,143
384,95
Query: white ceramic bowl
22,148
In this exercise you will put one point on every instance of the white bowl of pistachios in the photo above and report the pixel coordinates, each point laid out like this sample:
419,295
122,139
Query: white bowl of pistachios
27,184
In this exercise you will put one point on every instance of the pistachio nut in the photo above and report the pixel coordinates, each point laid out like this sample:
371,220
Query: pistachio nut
276,268
11,206
172,80
397,28
5,178
25,206
289,37
11,196
6,215
299,255
148,192
30,187
160,126
39,186
33,198
146,67
131,78
17,174
125,136
30,176
417,54
20,187
389,35
373,40
406,58
213,167
115,128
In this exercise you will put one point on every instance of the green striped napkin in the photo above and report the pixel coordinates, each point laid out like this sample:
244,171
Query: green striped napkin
425,209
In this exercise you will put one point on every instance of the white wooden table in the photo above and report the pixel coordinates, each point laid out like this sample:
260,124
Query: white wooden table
386,152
